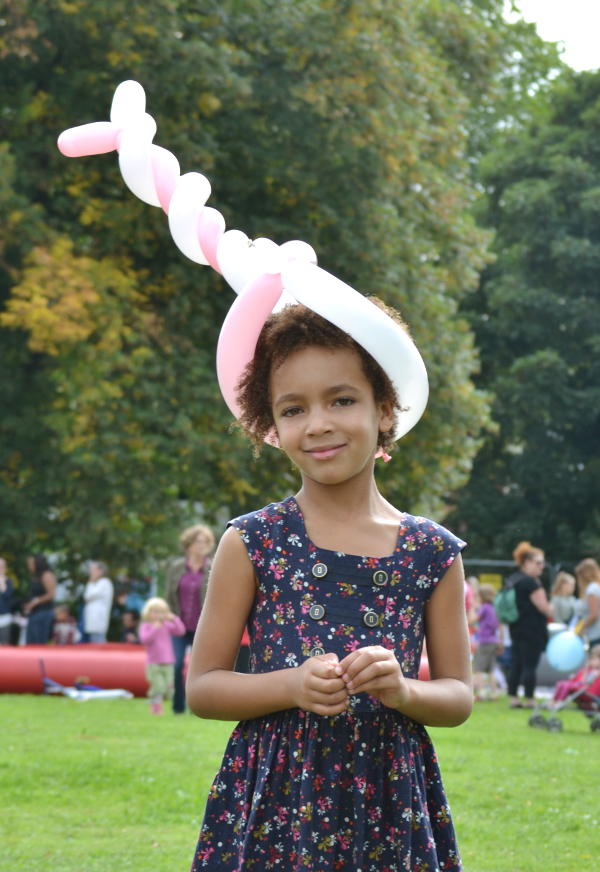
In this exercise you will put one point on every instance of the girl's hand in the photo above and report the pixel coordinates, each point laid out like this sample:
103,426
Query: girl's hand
376,671
318,687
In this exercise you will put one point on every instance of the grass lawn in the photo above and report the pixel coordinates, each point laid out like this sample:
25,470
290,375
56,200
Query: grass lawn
102,786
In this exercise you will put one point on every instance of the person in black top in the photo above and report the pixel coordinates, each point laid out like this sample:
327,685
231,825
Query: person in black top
529,633
39,606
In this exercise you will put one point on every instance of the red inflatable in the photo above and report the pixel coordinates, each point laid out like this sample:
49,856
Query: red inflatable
108,666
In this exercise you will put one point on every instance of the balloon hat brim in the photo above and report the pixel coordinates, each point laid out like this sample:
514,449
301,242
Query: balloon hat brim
262,273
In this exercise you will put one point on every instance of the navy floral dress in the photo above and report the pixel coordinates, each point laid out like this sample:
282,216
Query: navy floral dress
358,792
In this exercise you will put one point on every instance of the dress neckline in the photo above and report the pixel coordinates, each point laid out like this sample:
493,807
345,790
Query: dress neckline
364,557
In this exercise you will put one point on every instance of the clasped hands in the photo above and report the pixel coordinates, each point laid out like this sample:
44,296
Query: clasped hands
325,683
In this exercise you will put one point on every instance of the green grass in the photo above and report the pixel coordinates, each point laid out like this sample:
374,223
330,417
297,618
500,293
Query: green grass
102,786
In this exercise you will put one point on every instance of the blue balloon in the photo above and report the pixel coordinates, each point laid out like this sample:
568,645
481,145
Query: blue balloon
565,651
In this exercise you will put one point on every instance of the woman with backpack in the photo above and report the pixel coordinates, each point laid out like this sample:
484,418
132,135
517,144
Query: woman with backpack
529,633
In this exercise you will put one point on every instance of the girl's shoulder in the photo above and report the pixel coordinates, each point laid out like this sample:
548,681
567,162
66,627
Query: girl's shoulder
279,514
263,528
426,547
425,532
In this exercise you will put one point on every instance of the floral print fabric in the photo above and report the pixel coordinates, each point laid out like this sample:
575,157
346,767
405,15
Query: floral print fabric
360,791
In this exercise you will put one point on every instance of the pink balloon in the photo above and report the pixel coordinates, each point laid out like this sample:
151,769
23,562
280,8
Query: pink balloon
99,137
240,332
165,172
211,227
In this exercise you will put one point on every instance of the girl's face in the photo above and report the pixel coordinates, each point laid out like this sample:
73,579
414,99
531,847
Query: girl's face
325,413
567,587
594,660
157,613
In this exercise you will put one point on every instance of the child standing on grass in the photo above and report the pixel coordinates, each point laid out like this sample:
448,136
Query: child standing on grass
330,767
487,641
158,627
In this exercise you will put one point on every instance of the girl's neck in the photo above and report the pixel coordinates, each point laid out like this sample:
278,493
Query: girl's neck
351,520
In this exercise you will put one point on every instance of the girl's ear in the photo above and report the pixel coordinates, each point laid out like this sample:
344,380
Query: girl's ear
386,417
272,437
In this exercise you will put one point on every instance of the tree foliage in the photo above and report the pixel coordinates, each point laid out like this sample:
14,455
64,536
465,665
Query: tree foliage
345,123
537,319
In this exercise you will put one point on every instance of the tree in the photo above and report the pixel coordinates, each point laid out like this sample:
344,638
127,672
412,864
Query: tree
342,123
537,319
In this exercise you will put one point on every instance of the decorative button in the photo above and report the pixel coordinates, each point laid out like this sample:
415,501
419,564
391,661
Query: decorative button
316,651
380,577
319,570
370,618
317,612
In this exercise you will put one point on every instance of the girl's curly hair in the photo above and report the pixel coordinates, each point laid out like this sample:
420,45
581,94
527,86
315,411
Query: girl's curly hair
292,329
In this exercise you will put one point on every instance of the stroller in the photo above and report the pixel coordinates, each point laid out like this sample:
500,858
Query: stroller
582,690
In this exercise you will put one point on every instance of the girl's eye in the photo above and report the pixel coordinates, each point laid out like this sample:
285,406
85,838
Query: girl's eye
289,413
344,401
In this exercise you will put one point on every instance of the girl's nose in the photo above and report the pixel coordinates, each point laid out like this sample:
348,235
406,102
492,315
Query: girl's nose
318,421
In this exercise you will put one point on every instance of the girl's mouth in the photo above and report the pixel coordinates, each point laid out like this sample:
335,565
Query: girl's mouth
325,453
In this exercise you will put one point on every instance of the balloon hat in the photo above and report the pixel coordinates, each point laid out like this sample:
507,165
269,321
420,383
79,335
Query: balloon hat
263,274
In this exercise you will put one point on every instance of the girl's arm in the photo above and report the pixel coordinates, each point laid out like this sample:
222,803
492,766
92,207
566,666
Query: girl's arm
175,625
148,631
446,699
213,690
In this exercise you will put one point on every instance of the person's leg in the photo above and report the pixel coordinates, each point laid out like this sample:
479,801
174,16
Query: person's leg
154,680
163,681
516,667
531,657
39,627
180,646
97,637
478,676
169,683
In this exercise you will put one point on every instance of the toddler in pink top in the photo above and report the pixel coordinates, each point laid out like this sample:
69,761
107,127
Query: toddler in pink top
158,626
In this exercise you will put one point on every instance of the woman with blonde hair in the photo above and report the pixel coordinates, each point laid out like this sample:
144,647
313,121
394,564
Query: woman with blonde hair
186,587
529,633
587,573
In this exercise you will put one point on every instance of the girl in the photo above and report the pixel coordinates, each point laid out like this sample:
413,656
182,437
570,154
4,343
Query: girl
330,766
563,599
488,642
158,626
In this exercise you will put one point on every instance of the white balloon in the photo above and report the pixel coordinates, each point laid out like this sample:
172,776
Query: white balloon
135,159
242,259
129,102
385,340
187,202
295,249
